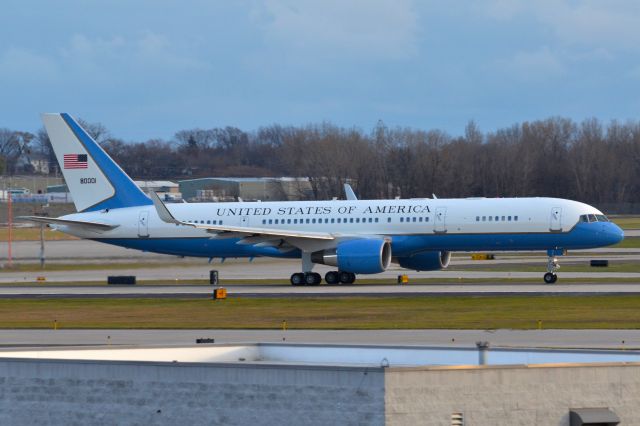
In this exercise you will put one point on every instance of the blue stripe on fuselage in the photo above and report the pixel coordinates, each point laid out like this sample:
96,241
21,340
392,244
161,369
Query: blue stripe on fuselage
582,236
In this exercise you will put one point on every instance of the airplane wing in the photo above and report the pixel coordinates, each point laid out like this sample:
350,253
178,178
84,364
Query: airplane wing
89,225
166,216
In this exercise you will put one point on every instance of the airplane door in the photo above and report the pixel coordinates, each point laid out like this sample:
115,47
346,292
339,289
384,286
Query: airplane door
143,224
440,220
556,219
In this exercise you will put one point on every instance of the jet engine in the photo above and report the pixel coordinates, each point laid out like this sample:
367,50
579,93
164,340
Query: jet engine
361,256
426,260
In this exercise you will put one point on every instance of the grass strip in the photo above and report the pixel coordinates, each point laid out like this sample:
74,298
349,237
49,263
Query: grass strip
460,312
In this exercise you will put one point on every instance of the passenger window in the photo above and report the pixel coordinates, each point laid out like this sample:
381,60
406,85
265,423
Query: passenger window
484,218
509,218
515,218
497,218
370,220
477,218
402,219
414,219
338,220
503,218
308,220
490,218
333,220
388,220
420,220
220,223
376,220
270,221
426,219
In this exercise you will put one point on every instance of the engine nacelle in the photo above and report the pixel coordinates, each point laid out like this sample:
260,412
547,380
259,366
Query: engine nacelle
426,261
363,256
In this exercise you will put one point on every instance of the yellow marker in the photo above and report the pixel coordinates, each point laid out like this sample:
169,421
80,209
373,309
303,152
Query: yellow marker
284,325
539,325
55,324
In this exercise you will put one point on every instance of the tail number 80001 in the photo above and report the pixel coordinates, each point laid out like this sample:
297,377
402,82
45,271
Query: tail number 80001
87,180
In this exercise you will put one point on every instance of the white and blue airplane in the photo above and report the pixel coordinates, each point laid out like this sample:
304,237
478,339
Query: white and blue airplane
355,236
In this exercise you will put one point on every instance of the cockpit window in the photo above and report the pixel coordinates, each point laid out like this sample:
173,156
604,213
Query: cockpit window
593,218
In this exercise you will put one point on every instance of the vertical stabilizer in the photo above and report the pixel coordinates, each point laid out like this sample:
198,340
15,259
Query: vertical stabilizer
95,181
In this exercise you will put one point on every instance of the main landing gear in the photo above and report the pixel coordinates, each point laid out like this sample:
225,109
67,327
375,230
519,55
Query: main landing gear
552,266
331,277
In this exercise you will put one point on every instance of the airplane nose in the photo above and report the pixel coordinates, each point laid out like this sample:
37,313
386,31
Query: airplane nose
614,234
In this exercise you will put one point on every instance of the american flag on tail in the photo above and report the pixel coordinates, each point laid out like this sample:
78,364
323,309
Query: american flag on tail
75,161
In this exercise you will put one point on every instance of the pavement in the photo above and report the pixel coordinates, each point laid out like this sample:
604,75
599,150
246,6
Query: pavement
592,339
373,290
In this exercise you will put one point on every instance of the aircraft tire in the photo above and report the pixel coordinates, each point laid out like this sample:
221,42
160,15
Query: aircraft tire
550,278
332,277
297,279
312,278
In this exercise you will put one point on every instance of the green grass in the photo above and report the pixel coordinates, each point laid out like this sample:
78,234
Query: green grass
628,242
627,222
49,267
512,312
33,234
615,266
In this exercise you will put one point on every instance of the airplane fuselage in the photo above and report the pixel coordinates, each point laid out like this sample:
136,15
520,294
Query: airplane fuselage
412,225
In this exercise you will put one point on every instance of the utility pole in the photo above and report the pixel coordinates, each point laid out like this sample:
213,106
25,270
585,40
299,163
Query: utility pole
10,260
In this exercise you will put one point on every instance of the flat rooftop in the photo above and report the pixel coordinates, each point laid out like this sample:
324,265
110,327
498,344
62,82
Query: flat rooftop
333,355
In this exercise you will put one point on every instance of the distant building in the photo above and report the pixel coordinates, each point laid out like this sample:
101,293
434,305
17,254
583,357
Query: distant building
164,188
249,189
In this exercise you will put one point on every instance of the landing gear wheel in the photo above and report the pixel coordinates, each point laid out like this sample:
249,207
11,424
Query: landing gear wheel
347,277
550,278
297,279
332,277
312,278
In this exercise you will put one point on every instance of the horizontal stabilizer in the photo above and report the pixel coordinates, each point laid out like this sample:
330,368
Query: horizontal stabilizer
91,226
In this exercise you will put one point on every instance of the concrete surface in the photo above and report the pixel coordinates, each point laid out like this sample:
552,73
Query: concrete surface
587,339
285,290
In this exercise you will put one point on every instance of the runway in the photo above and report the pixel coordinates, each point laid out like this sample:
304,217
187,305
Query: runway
363,290
596,339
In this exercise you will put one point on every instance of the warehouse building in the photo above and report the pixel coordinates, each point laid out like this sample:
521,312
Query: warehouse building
247,189
267,384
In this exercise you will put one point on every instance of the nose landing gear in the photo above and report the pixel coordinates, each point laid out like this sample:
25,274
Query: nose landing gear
552,265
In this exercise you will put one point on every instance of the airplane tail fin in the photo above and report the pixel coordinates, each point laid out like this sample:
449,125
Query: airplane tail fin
95,181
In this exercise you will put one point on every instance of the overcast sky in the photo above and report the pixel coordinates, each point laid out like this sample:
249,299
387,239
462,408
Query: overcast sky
149,68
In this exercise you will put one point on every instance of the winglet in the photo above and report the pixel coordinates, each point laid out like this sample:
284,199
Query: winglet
163,212
349,192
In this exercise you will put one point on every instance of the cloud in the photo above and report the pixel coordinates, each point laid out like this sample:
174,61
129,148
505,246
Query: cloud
146,50
381,29
17,64
593,24
535,65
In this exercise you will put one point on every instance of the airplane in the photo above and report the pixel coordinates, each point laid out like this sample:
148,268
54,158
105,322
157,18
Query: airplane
354,236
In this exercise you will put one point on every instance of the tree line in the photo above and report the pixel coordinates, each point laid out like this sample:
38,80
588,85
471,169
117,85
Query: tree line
588,161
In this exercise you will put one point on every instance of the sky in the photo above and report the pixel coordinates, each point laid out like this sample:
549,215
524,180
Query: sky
149,68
